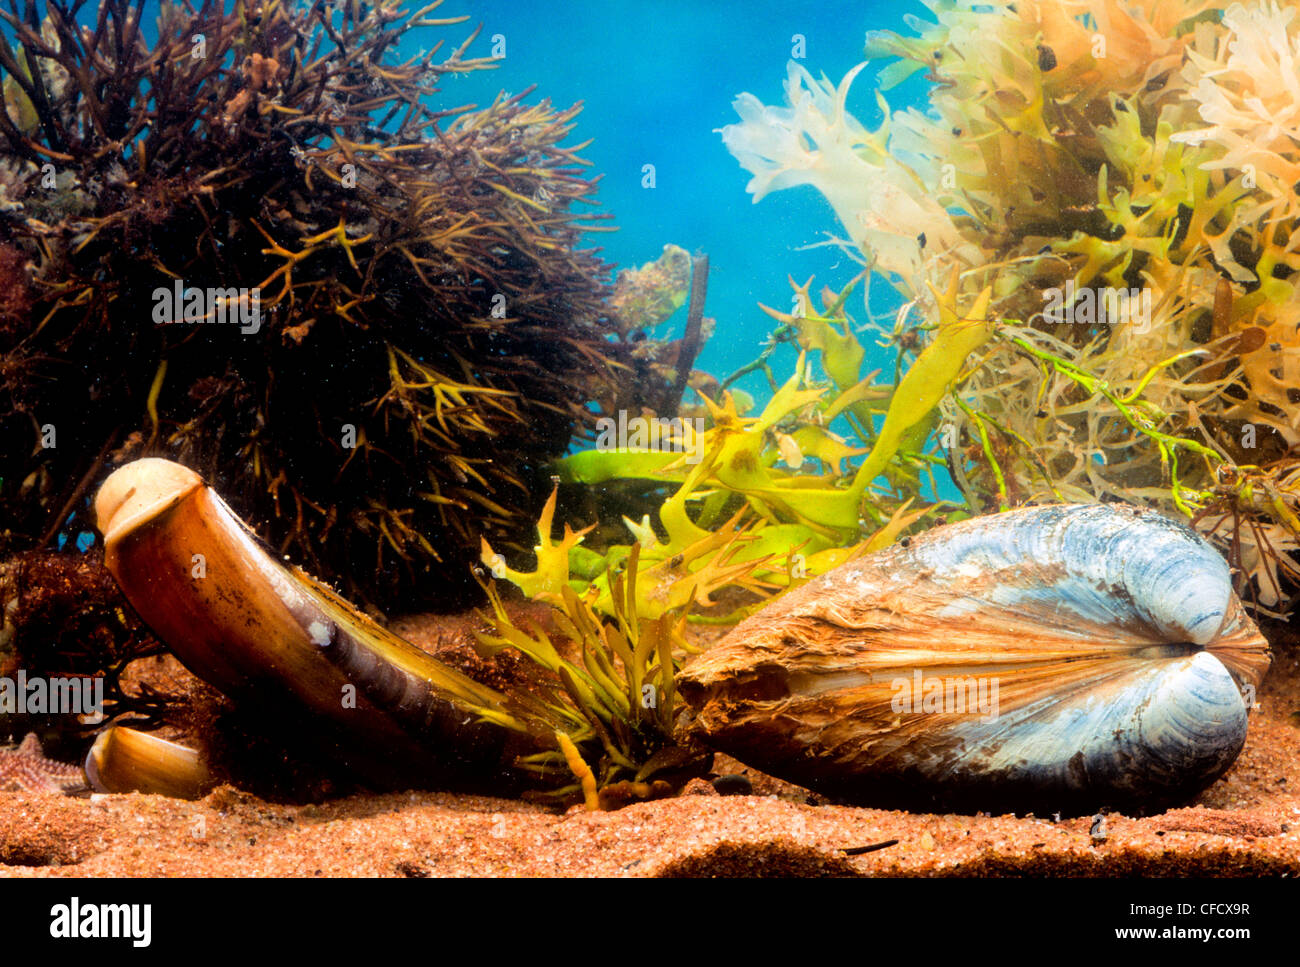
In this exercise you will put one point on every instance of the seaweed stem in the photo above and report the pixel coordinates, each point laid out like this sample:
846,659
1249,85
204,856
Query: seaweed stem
690,347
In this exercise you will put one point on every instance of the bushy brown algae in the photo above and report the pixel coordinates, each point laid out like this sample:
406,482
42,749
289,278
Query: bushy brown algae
428,330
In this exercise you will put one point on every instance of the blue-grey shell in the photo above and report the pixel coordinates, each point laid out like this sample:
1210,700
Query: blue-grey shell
1121,662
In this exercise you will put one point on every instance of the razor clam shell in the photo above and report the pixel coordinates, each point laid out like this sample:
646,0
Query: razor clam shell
284,646
1116,641
399,689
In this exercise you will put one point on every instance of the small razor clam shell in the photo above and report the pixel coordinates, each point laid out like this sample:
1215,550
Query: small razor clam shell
126,760
1116,645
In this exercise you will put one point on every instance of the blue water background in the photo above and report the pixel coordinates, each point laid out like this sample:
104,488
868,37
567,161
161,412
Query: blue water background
657,81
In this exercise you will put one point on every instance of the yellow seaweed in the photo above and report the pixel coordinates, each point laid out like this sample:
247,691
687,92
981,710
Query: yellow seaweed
929,378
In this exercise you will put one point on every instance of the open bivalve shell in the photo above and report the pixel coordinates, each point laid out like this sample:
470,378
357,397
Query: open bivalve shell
1062,658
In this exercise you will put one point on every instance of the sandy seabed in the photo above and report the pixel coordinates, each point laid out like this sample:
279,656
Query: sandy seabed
1246,824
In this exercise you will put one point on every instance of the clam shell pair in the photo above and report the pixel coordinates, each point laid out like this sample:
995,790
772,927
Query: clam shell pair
1061,658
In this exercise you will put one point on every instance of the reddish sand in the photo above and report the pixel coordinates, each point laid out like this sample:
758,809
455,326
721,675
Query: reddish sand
1246,824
